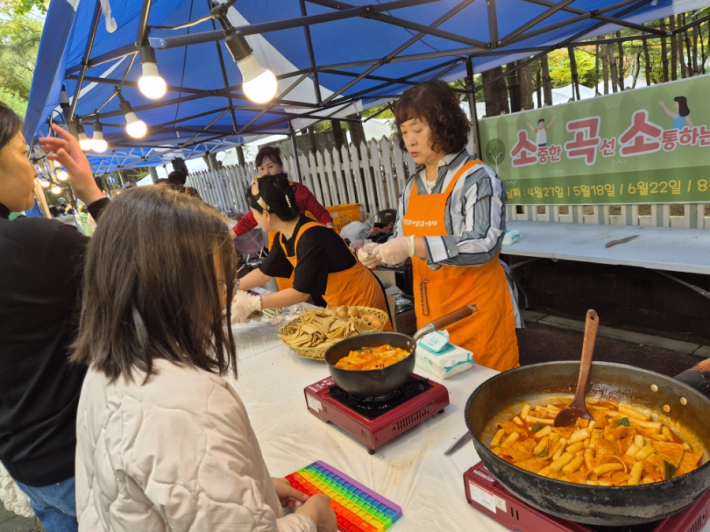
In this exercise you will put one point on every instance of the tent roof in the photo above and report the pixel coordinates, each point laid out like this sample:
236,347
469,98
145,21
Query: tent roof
360,54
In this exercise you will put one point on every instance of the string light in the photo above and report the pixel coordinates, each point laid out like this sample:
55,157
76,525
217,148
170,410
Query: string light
85,142
98,143
151,84
135,127
44,182
258,83
62,174
56,190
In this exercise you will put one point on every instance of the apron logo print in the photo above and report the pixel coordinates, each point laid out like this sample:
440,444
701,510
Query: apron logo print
421,223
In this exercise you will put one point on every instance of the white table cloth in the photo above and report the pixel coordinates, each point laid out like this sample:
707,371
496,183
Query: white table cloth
411,470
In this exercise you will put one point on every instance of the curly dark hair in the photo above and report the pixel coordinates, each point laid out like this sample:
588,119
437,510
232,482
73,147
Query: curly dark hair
435,103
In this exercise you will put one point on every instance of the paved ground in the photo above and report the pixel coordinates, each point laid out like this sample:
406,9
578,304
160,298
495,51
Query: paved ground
9,522
538,343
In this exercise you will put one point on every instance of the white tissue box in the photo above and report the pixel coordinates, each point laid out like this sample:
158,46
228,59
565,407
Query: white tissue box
449,361
511,237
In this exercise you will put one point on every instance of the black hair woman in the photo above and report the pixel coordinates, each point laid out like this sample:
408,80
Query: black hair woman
318,259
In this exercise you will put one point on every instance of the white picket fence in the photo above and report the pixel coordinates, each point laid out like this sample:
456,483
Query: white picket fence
375,177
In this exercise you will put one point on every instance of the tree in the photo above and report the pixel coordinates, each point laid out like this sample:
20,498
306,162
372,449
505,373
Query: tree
496,93
23,7
19,39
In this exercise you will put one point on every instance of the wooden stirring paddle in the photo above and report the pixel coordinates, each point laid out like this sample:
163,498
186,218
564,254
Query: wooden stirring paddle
578,408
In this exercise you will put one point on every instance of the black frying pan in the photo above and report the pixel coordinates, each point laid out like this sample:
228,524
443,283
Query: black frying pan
380,382
505,393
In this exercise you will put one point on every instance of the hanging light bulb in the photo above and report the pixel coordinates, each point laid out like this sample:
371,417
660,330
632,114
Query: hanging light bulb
56,190
135,127
98,144
150,83
259,83
62,174
84,141
44,182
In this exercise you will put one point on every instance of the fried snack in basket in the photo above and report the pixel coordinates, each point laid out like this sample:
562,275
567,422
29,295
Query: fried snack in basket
373,358
322,329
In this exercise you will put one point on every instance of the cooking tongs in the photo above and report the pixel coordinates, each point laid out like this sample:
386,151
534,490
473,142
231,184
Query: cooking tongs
445,321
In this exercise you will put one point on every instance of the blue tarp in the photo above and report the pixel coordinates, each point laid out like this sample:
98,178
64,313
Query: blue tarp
192,123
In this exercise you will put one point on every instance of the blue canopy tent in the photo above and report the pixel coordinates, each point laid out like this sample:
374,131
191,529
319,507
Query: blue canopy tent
331,59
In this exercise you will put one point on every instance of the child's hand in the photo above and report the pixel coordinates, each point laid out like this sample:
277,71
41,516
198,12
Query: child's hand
287,494
318,508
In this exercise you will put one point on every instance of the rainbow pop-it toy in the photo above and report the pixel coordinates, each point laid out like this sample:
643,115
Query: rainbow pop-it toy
357,508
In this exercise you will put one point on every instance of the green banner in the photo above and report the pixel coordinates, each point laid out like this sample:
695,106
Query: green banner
647,145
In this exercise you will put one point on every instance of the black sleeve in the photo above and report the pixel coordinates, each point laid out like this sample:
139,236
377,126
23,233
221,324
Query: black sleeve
96,208
276,264
313,266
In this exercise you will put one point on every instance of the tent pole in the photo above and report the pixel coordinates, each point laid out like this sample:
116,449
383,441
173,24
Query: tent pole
471,87
294,147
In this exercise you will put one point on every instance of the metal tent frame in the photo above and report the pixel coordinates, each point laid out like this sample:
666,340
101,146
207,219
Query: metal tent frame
281,111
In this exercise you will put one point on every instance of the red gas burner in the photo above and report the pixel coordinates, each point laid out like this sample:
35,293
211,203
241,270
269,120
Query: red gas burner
486,495
375,423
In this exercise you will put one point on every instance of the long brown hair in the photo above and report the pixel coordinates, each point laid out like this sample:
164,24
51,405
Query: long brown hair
150,287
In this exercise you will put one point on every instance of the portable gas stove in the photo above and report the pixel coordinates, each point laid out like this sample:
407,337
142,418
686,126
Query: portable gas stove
487,495
376,420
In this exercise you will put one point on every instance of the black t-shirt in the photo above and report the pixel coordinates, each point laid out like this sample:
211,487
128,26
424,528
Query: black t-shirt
320,252
41,265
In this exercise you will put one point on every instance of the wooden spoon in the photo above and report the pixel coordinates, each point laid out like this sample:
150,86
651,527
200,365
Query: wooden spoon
578,408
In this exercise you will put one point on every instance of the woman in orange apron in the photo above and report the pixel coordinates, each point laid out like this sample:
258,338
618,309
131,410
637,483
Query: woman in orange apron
313,255
268,162
451,222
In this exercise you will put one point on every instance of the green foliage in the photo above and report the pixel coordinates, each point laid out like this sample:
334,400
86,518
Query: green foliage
561,73
19,41
13,101
22,7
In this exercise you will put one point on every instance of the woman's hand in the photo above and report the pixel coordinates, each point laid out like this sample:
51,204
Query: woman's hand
396,250
367,256
318,508
244,305
287,494
68,153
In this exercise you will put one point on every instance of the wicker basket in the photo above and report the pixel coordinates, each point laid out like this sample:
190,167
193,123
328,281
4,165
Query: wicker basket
318,352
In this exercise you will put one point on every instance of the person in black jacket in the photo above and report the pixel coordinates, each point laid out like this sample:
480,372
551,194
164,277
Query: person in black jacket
41,264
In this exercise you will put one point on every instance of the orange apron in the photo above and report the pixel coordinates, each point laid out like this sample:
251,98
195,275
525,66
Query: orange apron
282,282
356,286
489,333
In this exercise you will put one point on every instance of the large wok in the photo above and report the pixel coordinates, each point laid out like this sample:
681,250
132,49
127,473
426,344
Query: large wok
505,393
378,383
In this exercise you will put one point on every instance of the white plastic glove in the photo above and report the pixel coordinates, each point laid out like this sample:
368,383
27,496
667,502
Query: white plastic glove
396,250
244,305
367,256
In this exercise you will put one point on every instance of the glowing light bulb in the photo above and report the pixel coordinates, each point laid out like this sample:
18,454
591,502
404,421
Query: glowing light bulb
45,183
56,190
84,141
62,175
259,84
135,127
98,143
151,84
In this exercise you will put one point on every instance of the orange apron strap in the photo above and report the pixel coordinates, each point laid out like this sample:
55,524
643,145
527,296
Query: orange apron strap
303,228
450,188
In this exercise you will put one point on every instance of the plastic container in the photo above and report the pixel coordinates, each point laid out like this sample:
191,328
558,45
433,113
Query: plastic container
344,214
437,356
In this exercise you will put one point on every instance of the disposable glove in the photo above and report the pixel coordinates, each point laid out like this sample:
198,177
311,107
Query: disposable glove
244,305
368,257
396,250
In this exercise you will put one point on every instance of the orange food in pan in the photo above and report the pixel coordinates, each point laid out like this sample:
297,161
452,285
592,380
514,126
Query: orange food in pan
621,446
373,358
